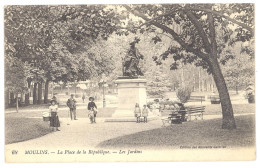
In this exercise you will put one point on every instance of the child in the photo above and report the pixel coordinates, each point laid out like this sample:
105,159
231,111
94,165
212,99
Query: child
91,115
145,113
137,112
92,110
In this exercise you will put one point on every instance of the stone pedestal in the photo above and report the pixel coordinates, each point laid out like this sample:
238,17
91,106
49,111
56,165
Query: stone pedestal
130,92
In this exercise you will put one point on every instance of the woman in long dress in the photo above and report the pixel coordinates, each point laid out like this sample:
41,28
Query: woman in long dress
54,119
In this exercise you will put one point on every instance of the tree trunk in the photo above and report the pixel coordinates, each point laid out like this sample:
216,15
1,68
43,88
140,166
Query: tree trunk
35,93
228,121
182,76
12,101
199,82
75,89
17,106
39,92
27,96
46,91
6,99
236,90
212,85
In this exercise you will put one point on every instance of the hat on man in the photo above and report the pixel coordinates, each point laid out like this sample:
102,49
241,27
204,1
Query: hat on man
52,100
91,98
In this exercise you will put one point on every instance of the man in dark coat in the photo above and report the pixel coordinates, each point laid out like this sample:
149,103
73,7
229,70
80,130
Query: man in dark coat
182,112
71,103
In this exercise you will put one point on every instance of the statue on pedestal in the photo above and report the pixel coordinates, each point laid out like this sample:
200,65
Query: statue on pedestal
131,61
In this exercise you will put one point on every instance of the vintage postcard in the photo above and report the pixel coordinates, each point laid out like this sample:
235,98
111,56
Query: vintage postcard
129,82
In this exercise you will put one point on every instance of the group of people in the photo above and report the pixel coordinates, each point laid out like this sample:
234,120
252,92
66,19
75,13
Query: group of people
138,113
92,111
156,110
71,103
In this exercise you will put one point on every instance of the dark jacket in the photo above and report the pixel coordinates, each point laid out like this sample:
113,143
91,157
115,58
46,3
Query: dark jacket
71,103
91,105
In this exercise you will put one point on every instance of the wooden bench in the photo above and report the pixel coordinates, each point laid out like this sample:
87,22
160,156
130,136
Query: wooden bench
196,111
197,99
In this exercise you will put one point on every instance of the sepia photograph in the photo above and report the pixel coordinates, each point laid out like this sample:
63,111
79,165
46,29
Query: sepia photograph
129,82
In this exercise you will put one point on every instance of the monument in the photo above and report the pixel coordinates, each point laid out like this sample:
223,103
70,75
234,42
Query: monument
131,86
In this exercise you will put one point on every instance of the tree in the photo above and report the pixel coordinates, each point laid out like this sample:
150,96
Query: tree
183,94
15,76
239,72
54,41
198,38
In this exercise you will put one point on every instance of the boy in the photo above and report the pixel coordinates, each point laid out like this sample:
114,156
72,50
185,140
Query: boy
92,110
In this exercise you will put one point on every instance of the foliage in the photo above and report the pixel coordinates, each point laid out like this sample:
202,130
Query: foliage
15,76
183,94
240,72
53,39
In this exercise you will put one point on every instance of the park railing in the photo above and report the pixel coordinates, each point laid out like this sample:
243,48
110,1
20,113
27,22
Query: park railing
197,99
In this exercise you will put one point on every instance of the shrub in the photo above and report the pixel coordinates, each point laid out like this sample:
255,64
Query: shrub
183,94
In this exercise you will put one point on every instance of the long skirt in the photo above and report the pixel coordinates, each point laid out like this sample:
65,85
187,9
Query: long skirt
54,120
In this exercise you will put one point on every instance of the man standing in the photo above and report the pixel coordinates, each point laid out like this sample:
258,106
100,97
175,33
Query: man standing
92,110
71,103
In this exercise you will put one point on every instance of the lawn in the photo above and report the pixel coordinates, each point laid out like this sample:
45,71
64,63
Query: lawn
195,133
19,129
215,109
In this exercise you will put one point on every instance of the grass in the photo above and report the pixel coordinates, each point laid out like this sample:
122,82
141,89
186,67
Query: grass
215,109
198,133
237,109
19,129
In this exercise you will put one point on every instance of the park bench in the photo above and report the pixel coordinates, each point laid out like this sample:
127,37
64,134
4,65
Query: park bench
175,115
197,99
196,111
214,99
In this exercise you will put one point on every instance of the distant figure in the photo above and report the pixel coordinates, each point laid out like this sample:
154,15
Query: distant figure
83,97
55,99
156,108
92,108
54,119
145,113
182,112
71,103
137,112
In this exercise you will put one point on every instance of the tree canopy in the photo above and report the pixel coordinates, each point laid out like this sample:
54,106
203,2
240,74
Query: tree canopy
203,33
62,43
